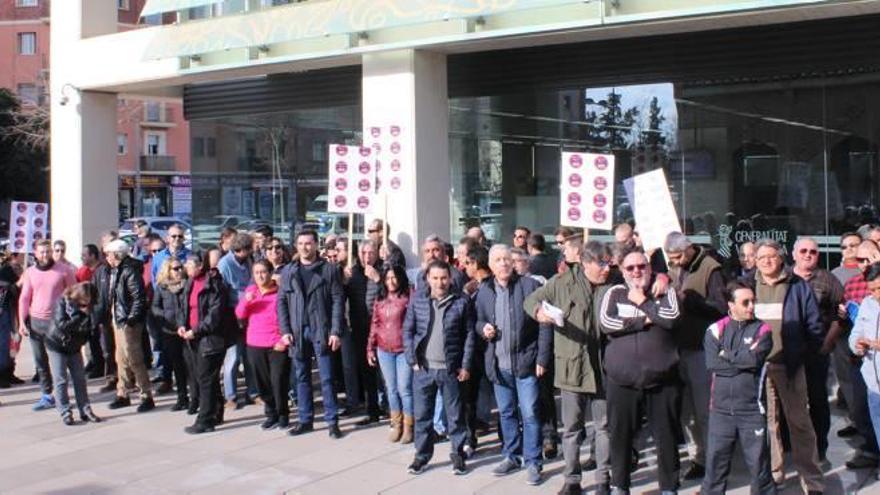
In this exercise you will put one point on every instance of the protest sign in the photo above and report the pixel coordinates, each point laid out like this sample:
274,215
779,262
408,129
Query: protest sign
586,191
652,207
28,223
351,179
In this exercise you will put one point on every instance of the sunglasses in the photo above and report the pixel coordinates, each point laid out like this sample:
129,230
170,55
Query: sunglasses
175,236
812,252
631,268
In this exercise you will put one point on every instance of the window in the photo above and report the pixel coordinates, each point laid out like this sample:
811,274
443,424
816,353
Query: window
153,20
27,43
28,93
154,143
123,4
198,147
27,3
121,144
153,110
319,151
210,147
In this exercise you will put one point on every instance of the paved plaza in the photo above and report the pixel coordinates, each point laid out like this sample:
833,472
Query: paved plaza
149,454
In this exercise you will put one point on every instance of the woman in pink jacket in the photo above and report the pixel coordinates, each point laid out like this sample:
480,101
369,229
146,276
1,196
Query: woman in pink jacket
265,349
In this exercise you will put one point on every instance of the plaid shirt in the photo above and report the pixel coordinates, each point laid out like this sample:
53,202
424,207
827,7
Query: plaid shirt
856,289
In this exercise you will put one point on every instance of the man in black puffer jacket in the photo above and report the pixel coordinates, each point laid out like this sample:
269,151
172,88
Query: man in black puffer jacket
128,311
736,347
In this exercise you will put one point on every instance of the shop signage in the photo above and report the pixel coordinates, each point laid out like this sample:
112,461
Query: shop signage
730,238
652,207
143,180
587,191
28,223
351,179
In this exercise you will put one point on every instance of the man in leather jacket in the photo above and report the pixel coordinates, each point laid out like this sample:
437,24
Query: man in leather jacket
128,310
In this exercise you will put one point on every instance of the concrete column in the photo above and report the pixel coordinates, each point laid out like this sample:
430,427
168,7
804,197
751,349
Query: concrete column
409,88
83,199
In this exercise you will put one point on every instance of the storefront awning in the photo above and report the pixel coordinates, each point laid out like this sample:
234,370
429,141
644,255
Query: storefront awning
162,6
315,19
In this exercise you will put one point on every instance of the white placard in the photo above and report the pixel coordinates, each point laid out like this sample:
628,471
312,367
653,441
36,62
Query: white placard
28,223
586,191
352,179
652,207
388,144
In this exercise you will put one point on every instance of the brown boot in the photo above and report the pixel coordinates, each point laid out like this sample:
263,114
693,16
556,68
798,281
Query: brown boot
396,419
408,423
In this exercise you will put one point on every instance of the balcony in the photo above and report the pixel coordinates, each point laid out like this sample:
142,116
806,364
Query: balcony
157,163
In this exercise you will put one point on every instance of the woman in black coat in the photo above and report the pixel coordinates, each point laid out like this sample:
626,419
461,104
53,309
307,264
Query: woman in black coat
200,325
70,330
167,301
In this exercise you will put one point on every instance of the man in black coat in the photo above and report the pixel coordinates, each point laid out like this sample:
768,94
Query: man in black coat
310,307
128,312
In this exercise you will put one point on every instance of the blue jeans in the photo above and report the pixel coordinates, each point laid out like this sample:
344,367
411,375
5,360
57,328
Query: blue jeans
303,362
440,425
398,381
235,356
61,363
426,385
38,330
519,393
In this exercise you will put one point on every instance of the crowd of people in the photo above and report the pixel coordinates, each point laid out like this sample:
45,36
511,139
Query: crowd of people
675,341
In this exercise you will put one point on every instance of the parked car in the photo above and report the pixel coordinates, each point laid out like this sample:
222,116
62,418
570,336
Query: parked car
208,232
158,225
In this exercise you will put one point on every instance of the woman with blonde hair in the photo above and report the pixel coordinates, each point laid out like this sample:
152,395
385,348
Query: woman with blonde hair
167,301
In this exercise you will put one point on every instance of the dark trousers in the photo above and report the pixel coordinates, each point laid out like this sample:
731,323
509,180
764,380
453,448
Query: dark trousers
303,362
426,384
38,330
816,372
662,405
860,413
725,431
470,394
366,373
547,407
96,354
191,360
272,374
174,363
108,348
210,395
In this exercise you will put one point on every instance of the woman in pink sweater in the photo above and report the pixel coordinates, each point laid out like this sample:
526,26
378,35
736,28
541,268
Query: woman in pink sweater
265,349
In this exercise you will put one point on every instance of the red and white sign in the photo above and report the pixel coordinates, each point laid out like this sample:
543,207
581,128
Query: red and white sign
587,191
389,150
352,179
28,223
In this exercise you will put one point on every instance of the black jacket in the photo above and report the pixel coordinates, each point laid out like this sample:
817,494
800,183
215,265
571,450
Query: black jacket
209,332
638,354
532,343
458,324
542,264
326,301
70,328
166,306
361,293
101,308
735,353
128,294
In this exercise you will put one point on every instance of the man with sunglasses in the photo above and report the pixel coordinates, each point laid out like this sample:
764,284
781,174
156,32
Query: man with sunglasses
829,295
854,292
699,285
577,347
375,232
787,303
59,254
174,247
849,265
641,366
521,236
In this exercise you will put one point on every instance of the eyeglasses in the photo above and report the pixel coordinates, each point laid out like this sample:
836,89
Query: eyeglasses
176,268
175,236
605,264
768,257
811,252
631,268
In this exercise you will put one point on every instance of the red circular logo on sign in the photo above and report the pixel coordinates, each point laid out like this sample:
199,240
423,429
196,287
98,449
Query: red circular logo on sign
599,200
19,244
40,209
20,221
38,236
574,214
395,130
574,199
395,165
395,183
19,234
341,167
599,216
341,150
375,131
364,185
575,161
38,223
21,207
339,201
363,202
364,167
364,151
600,162
574,180
395,148
341,184
600,183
